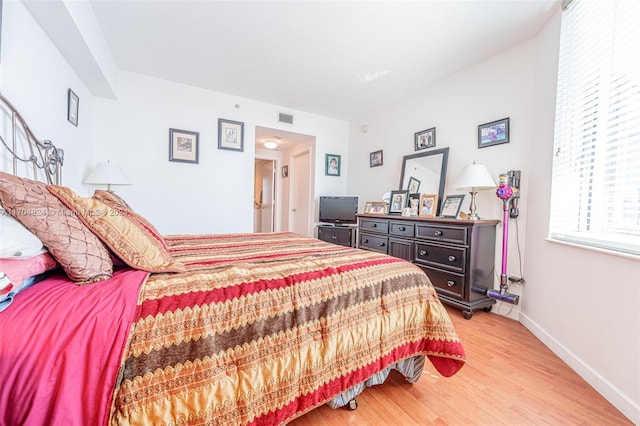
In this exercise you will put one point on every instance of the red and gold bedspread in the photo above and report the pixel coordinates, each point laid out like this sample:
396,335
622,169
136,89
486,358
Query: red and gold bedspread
264,327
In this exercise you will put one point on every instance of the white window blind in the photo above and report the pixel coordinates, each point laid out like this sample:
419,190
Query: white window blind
595,197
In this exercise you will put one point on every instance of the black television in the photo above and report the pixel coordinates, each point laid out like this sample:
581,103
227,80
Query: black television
338,210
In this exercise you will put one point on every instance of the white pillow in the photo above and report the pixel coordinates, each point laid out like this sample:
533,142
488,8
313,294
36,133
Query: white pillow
15,239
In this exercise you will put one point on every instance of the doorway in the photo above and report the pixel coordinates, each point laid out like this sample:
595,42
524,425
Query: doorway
264,196
292,163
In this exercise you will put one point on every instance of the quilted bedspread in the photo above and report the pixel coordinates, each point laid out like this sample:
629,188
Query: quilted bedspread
264,327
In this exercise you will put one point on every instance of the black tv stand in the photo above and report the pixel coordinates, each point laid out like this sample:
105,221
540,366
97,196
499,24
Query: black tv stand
340,234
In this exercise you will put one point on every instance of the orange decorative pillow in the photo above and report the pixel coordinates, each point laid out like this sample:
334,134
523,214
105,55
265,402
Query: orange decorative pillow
115,201
130,241
80,253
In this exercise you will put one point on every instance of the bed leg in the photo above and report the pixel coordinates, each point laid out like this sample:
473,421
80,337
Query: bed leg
352,405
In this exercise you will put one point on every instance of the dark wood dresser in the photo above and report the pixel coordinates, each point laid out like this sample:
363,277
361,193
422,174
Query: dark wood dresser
457,255
341,235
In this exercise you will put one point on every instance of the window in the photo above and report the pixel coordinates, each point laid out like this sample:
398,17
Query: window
595,196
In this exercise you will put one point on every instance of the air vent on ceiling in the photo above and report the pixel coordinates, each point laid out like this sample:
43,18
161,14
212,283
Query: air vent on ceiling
285,118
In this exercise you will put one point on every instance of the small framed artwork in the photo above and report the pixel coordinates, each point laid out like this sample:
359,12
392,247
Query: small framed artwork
376,207
414,185
230,135
332,165
425,139
399,200
285,172
183,146
494,133
428,205
451,206
73,107
375,159
367,207
414,203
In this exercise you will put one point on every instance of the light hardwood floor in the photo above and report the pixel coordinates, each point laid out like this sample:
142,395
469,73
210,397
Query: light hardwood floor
510,378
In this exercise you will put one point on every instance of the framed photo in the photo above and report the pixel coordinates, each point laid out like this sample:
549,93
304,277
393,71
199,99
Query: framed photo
425,139
399,200
494,133
332,165
285,172
375,159
73,107
414,185
183,146
375,207
428,205
451,206
414,203
230,135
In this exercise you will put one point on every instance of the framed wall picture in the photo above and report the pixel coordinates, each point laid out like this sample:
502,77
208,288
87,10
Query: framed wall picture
73,107
285,171
494,133
428,205
230,135
399,200
425,139
451,206
375,159
414,185
183,146
332,165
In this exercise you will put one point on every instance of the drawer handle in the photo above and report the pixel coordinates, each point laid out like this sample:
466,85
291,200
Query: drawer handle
402,228
365,241
437,233
451,283
452,258
374,225
381,245
423,252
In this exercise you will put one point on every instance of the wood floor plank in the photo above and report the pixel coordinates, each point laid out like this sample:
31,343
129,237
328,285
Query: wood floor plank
510,378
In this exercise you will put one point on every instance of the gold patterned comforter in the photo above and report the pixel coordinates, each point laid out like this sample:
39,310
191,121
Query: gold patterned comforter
264,327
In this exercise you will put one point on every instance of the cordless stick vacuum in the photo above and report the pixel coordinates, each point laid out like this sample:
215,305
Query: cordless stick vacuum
508,191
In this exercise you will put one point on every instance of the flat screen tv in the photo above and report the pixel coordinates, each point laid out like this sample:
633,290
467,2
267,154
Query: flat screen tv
338,210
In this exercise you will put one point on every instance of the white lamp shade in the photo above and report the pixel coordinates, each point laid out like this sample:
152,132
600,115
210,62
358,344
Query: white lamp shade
475,177
108,174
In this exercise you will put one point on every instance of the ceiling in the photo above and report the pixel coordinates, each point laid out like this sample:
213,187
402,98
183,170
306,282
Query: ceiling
342,59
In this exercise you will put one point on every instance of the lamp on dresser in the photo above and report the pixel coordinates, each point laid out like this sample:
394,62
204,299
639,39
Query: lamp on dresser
474,178
108,174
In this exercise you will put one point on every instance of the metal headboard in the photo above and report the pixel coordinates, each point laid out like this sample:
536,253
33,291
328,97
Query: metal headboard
43,155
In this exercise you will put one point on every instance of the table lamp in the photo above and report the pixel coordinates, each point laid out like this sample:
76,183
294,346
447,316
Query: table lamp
474,178
108,174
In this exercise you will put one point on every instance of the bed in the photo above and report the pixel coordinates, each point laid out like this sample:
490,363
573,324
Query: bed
134,327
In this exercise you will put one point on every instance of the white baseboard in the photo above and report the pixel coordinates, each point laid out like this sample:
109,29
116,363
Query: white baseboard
612,394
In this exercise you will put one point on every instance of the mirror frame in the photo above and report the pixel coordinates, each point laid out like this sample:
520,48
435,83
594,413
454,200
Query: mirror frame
443,169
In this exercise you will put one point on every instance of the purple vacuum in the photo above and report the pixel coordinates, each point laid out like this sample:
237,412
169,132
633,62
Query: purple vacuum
508,192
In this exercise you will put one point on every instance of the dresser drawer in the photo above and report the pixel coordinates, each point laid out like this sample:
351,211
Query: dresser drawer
446,283
373,242
443,233
375,225
447,257
401,228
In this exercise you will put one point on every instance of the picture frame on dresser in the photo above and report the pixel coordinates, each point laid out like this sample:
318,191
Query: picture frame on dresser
451,206
375,207
428,205
399,200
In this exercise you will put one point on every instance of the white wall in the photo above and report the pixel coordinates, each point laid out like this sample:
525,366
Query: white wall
493,89
216,195
35,78
584,305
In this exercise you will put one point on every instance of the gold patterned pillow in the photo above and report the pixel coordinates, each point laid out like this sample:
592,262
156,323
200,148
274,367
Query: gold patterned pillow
115,201
130,241
80,253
